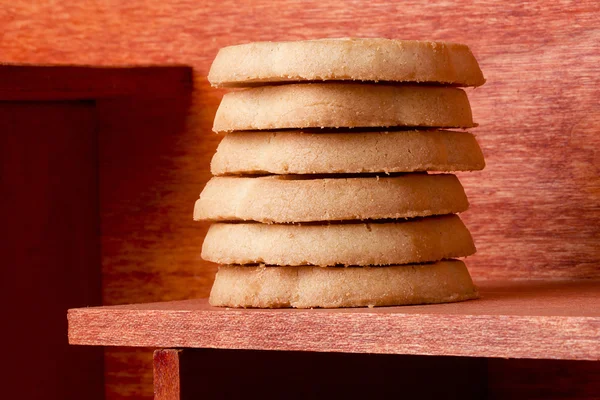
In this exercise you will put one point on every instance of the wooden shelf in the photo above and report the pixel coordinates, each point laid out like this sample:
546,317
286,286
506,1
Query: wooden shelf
20,82
61,131
513,319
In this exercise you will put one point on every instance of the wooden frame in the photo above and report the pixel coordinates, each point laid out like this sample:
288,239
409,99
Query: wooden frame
51,120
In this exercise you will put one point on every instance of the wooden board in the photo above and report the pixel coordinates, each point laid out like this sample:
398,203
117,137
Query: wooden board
167,371
512,320
534,210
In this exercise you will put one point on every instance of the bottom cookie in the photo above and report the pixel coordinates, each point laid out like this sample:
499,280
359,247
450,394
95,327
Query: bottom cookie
308,287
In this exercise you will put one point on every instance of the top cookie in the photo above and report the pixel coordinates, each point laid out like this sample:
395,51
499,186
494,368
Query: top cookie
346,59
343,105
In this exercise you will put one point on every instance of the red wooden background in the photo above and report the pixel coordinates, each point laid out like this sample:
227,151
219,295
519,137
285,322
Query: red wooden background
535,208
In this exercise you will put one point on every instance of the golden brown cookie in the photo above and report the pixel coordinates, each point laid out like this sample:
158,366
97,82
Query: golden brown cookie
295,152
306,287
345,59
343,105
297,198
404,242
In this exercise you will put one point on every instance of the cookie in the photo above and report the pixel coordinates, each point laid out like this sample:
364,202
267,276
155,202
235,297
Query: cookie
343,105
297,198
345,59
412,241
307,287
294,152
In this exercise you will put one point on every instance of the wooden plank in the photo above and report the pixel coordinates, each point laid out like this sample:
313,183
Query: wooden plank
77,82
207,373
167,377
51,247
513,320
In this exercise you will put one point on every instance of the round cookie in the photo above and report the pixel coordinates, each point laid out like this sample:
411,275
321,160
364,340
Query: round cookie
412,241
297,198
307,287
294,152
345,59
343,105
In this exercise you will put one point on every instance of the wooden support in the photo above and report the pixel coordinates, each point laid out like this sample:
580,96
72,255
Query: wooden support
167,374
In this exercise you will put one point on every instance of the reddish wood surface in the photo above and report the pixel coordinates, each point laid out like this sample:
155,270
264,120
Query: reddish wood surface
149,180
128,373
527,320
51,247
29,82
534,211
167,376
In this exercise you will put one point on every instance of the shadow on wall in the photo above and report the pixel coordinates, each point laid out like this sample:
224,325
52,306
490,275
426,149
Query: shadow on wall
52,127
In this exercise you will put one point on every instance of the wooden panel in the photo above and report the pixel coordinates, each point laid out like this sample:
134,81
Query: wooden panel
148,184
28,82
534,209
543,320
50,246
215,374
128,373
149,181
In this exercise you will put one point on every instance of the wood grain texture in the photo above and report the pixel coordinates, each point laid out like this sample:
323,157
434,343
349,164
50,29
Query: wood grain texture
150,245
535,208
167,374
51,247
529,320
128,373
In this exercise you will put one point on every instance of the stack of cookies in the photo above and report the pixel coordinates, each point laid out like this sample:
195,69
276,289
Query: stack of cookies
323,194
